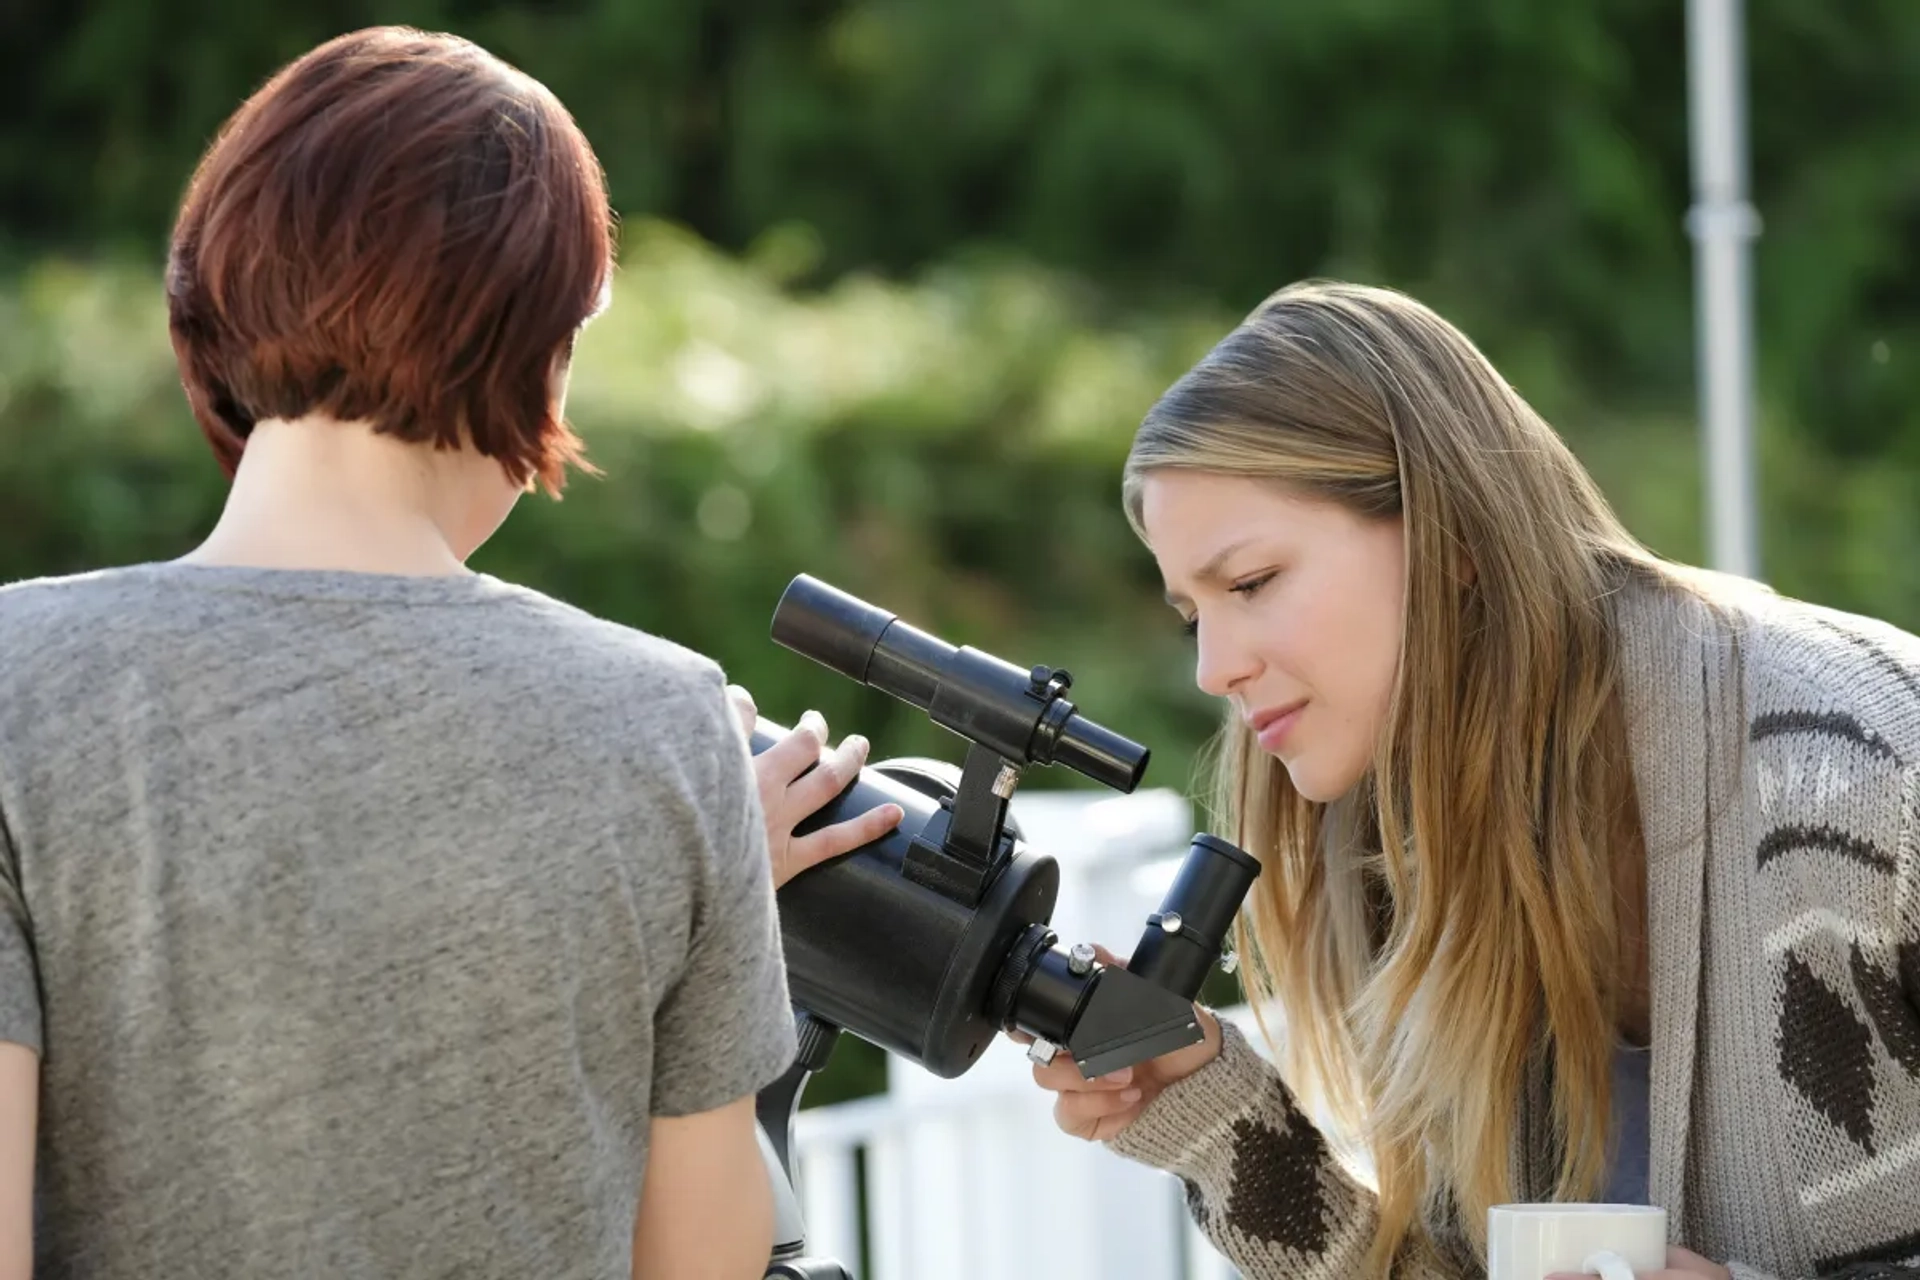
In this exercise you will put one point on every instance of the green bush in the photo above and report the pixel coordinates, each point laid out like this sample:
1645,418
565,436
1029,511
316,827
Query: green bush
1524,165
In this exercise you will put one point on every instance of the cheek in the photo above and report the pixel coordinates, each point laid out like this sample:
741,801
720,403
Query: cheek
1286,635
1376,638
1347,645
1384,661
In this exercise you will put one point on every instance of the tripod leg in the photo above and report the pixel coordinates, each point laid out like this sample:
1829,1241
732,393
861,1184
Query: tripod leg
789,1228
775,1108
777,1103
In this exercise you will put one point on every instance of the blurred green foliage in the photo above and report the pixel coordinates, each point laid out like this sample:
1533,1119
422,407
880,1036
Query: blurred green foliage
948,446
1522,165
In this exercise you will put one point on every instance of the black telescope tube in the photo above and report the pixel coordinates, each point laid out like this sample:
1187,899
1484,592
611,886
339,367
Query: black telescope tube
970,692
861,641
833,628
911,665
1183,940
1101,754
896,963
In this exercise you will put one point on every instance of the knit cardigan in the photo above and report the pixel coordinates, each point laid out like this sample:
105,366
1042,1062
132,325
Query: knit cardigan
1777,759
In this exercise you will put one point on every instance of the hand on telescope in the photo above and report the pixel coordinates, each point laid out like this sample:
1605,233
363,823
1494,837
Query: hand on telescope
796,776
1101,1109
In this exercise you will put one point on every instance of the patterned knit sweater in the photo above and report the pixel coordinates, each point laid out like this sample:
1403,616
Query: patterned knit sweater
1778,766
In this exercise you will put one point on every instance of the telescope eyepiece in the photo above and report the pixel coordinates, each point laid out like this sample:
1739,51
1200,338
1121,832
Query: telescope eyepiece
1185,937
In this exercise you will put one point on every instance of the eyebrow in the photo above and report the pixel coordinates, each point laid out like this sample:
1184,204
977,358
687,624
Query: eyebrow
1210,571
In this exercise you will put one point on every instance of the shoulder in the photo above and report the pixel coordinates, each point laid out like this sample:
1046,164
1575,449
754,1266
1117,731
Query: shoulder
628,695
1810,669
1832,737
1812,720
569,637
41,619
641,689
1832,725
59,600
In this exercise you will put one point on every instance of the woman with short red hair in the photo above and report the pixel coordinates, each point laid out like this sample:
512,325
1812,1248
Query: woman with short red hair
363,915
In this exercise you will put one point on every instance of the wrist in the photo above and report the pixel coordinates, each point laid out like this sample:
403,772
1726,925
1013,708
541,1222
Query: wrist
1171,1068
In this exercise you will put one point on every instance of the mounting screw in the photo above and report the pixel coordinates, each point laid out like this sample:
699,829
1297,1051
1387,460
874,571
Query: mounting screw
1041,1052
1004,783
1049,681
1171,922
1080,959
1229,961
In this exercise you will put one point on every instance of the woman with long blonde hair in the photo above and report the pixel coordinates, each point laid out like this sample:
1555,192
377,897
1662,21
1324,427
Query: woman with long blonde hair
1587,876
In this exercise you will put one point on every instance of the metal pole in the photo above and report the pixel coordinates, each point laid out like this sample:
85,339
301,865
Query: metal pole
1723,225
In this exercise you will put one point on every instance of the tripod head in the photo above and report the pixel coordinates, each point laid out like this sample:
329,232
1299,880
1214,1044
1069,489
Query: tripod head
934,938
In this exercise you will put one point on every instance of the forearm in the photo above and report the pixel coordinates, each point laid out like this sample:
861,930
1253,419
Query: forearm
706,1208
19,1122
1864,1271
696,1244
1261,1181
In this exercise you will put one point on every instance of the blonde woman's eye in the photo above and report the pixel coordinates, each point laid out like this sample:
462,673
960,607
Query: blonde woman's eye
1190,626
1251,587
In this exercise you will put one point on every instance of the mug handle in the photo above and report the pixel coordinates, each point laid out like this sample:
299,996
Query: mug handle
1608,1265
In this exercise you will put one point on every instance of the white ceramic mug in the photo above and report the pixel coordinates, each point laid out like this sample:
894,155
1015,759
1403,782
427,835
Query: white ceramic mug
1612,1241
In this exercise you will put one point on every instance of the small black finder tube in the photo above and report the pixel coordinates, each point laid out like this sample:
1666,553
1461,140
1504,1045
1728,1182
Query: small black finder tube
1023,716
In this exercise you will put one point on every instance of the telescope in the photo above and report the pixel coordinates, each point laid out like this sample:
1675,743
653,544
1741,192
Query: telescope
934,938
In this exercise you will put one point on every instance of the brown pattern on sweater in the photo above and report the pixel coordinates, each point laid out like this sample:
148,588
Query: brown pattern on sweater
1892,1011
1276,1184
1826,1052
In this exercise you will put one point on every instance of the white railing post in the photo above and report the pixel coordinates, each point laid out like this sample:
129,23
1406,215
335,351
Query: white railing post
829,1190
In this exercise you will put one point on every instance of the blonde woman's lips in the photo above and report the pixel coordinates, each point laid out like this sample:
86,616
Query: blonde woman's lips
1272,726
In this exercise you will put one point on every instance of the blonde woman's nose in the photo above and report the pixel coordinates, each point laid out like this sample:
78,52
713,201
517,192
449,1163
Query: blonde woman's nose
1222,666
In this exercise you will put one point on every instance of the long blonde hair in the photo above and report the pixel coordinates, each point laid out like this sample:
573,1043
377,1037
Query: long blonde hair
1432,935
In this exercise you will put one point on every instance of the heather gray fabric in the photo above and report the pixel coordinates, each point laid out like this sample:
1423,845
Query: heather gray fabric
364,920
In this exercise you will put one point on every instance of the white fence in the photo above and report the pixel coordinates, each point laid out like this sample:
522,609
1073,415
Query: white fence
969,1178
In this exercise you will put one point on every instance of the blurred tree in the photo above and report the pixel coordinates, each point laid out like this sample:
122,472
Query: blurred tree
1524,166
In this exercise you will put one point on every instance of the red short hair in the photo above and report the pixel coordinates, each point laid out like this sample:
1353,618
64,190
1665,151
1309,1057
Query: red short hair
399,228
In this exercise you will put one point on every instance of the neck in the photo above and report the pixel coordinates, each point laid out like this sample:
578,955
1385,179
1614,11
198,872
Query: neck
319,494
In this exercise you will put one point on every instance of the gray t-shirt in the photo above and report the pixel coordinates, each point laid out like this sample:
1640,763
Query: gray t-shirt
363,921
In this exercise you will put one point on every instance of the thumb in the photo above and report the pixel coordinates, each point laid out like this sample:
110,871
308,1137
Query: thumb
744,709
